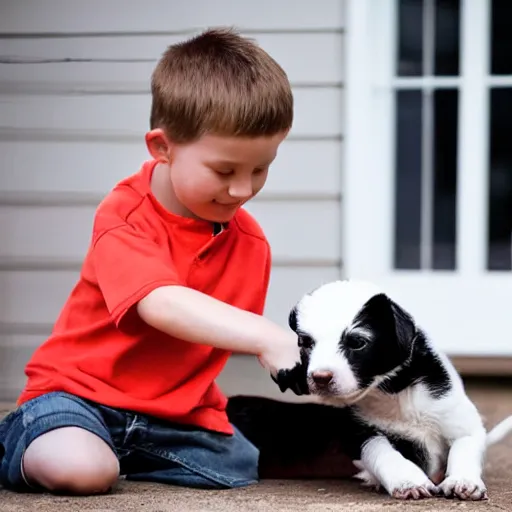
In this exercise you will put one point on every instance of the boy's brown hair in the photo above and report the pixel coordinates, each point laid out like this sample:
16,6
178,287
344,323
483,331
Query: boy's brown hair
219,82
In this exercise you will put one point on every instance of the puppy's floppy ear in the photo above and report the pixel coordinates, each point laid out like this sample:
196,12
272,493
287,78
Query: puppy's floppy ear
378,315
389,320
404,325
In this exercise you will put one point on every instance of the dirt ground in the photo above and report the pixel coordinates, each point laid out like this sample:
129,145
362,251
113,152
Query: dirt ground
494,401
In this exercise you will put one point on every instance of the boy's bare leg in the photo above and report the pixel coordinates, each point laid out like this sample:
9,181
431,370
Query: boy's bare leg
71,460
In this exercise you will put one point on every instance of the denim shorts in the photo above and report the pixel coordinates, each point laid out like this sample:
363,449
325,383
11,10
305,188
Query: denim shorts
148,449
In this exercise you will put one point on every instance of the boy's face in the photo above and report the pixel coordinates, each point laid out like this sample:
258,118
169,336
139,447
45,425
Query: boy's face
212,177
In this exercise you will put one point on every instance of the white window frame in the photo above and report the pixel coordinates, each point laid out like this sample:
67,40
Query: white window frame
368,151
466,310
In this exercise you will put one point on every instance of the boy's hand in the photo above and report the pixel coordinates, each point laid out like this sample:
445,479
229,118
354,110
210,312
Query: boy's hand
283,362
195,317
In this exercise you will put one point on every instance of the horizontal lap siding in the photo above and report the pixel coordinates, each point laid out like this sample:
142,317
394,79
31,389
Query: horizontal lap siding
298,231
37,296
296,163
92,65
74,104
163,16
128,114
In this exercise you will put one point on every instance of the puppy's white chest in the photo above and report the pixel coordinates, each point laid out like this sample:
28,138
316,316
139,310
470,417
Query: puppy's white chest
410,415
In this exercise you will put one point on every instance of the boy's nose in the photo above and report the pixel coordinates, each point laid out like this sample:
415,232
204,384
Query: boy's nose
240,190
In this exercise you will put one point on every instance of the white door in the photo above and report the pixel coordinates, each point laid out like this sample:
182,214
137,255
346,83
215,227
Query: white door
428,164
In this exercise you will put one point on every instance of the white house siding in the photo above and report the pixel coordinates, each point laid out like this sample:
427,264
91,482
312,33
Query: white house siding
74,107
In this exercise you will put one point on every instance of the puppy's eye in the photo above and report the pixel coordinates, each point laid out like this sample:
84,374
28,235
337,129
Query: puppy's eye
355,343
305,341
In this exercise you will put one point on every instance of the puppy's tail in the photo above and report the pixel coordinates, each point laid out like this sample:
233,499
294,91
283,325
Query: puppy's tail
500,431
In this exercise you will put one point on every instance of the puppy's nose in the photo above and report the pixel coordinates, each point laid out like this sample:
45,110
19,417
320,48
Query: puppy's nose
322,378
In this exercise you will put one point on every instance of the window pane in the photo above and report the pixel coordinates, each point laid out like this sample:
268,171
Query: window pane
410,38
408,179
500,180
501,37
445,178
447,36
426,179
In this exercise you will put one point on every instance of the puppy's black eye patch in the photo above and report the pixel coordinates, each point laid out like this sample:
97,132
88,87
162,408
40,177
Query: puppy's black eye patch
306,341
355,342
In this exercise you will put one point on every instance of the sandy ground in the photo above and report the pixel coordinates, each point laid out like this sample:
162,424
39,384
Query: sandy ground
493,400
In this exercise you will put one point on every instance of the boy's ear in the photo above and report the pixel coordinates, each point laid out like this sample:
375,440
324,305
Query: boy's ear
158,145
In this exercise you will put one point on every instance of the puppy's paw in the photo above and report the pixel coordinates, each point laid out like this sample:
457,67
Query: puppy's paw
409,482
408,490
464,488
292,378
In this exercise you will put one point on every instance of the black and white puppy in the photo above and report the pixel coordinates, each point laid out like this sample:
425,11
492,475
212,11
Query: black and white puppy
388,398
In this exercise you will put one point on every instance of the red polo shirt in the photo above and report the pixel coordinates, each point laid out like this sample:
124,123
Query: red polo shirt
101,350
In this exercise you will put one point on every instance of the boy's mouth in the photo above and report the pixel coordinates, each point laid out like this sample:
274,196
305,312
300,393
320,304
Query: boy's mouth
237,203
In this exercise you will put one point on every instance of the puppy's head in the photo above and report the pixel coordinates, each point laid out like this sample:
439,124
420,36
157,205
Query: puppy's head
352,336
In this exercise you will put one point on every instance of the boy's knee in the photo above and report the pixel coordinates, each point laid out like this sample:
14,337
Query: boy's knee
81,477
77,463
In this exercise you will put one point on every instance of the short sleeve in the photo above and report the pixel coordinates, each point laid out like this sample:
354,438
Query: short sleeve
128,265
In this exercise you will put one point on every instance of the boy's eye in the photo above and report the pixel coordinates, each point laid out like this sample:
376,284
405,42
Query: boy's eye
226,172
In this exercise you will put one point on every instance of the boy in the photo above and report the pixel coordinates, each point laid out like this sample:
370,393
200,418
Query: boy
175,280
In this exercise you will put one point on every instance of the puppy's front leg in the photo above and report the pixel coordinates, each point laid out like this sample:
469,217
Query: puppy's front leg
400,477
464,427
464,468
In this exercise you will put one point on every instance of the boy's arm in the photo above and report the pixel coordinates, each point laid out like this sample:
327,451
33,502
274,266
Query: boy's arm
133,273
193,316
